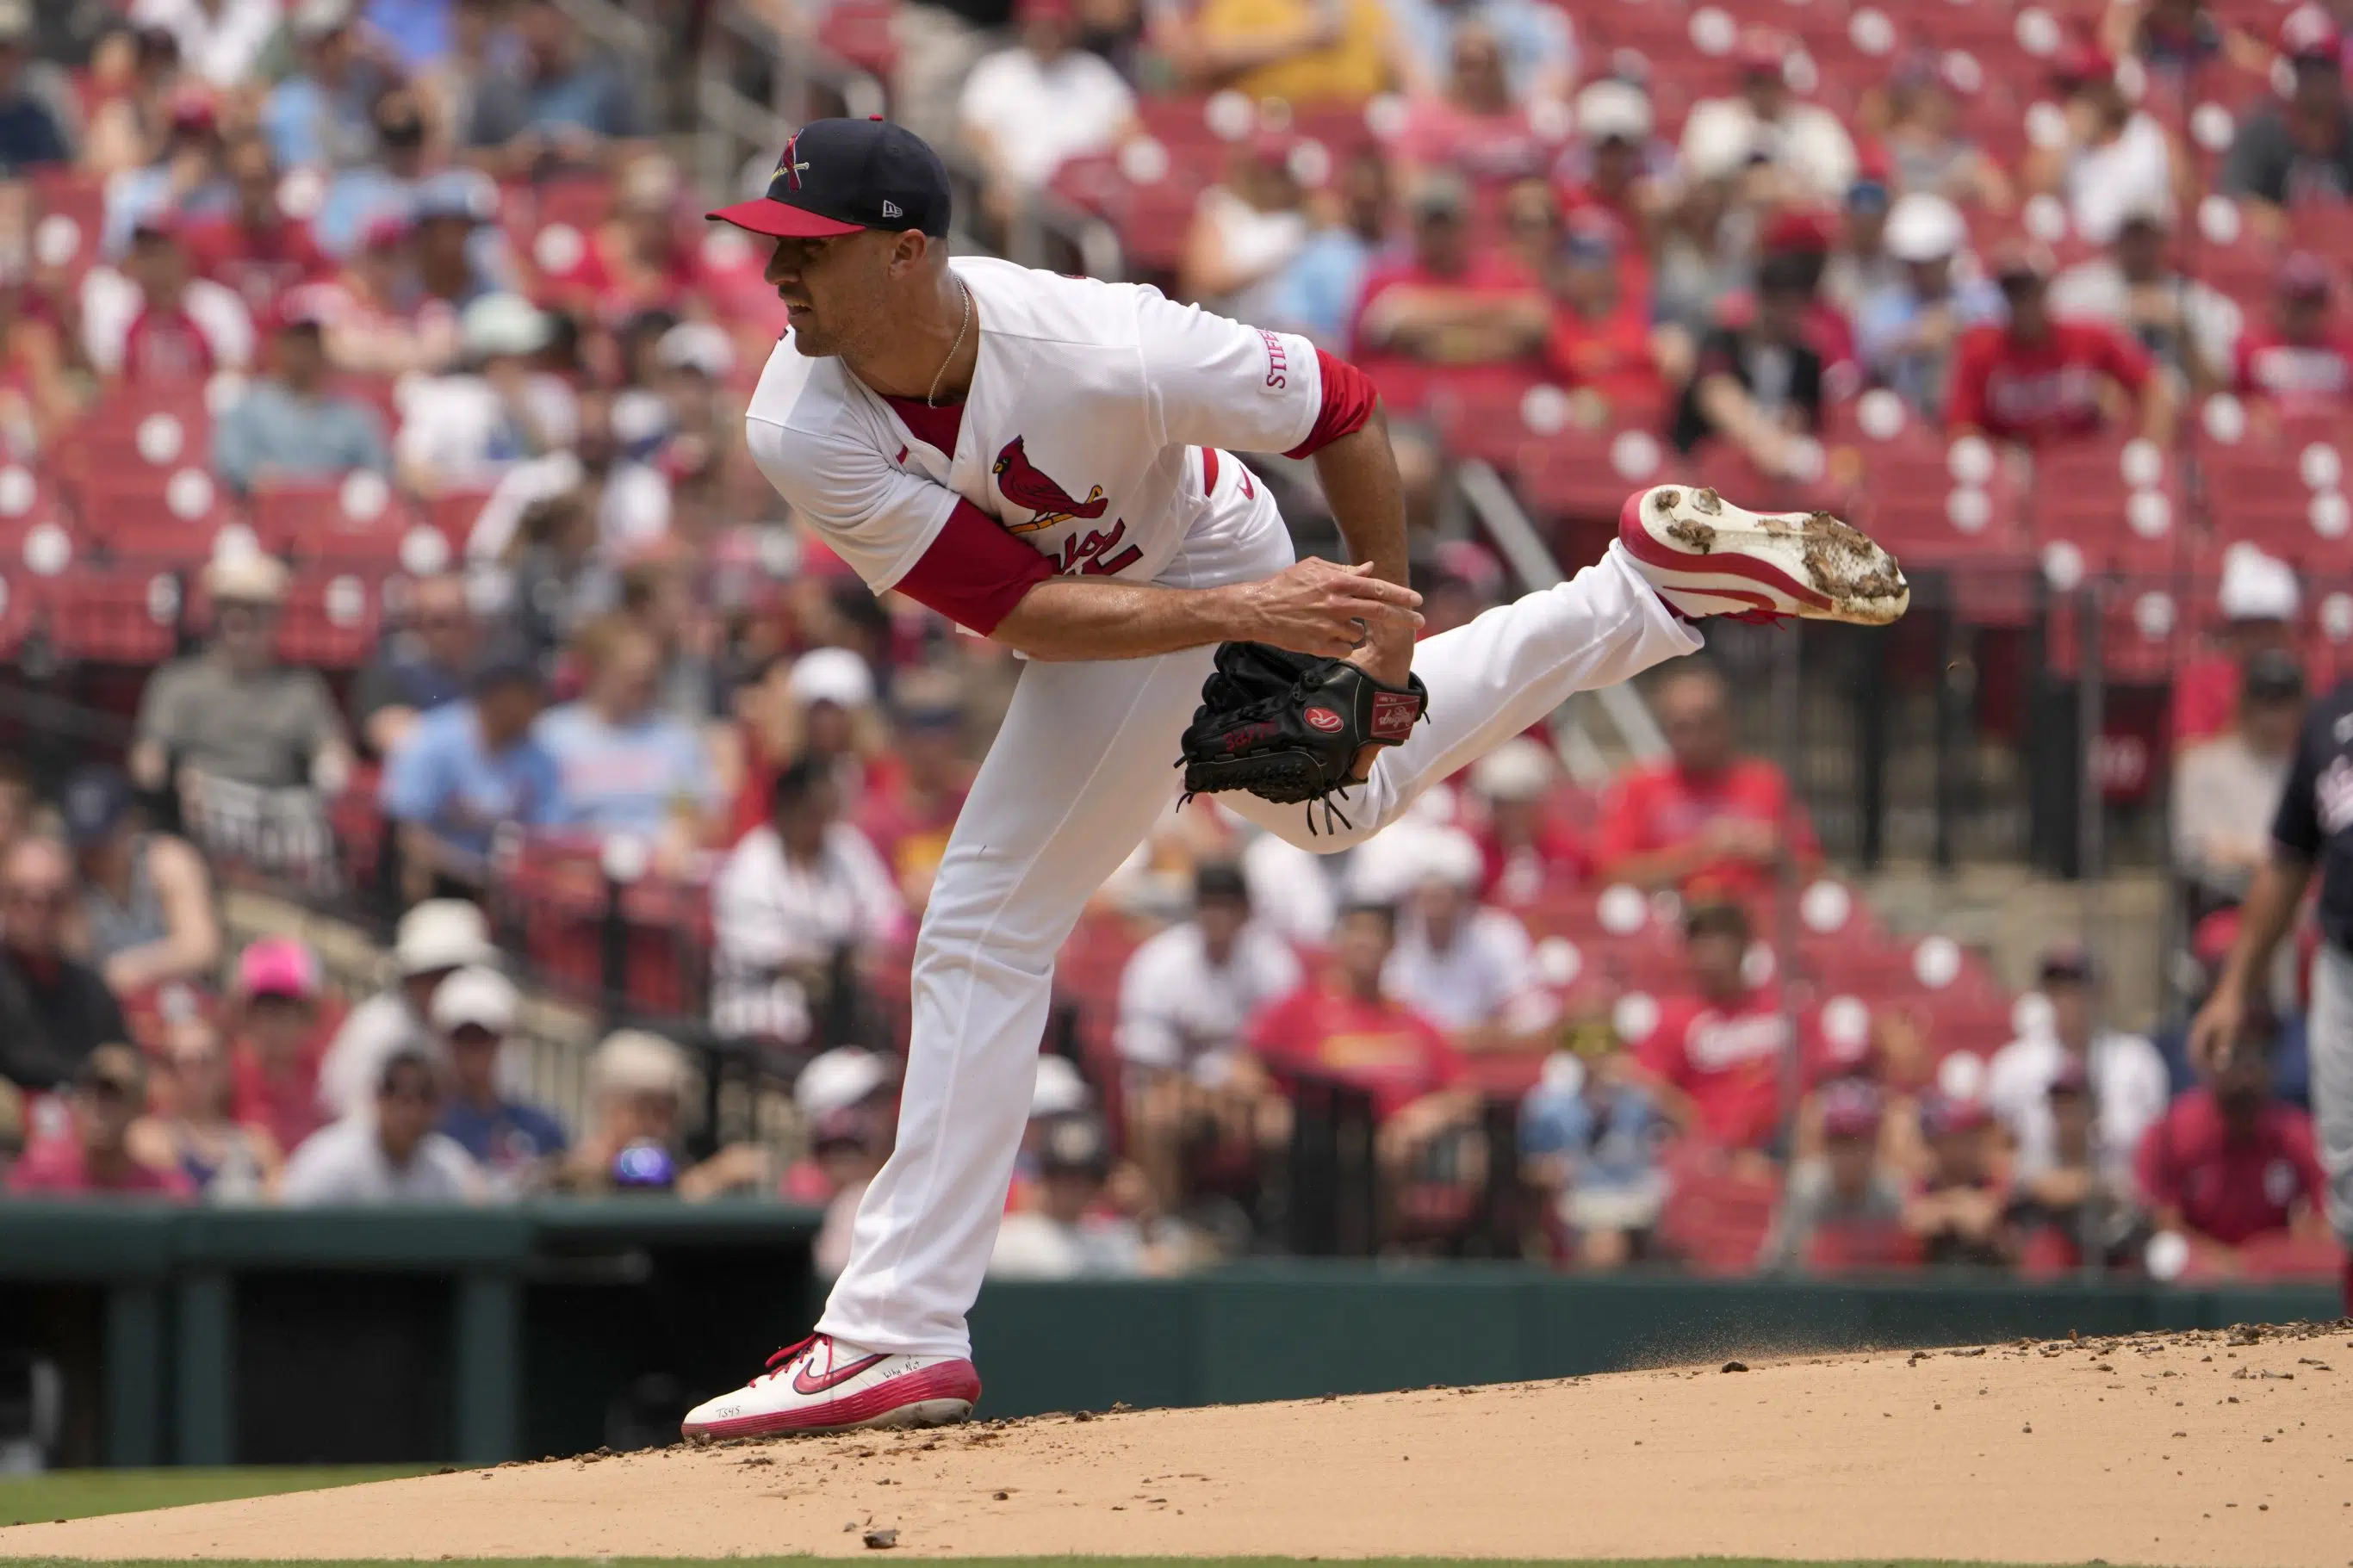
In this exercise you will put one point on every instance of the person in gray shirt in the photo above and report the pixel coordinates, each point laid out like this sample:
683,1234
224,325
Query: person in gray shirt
291,427
2300,150
389,1155
233,711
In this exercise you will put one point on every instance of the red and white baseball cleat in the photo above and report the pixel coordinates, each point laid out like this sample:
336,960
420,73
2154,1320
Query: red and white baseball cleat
1707,557
824,1386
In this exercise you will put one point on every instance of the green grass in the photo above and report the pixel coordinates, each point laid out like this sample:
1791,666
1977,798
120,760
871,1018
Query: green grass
79,1494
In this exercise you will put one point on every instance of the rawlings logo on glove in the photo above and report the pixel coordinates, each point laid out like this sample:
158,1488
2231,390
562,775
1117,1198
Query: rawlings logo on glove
1287,726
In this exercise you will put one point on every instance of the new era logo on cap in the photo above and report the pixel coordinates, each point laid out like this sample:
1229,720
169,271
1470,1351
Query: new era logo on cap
838,176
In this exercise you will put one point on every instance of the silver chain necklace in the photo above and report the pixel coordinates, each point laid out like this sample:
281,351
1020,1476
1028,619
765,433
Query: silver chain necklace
931,397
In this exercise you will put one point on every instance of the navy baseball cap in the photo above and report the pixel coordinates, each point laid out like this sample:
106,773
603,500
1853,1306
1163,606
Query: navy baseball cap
838,176
94,800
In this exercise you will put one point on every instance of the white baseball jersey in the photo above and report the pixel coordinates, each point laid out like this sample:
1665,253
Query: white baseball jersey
1089,433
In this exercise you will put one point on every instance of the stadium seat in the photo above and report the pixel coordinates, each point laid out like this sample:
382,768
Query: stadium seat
118,617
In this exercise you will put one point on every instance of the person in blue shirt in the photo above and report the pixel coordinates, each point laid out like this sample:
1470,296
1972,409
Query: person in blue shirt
1539,46
1315,292
559,105
291,427
1907,330
322,116
627,765
516,1145
384,188
30,136
466,769
1590,1137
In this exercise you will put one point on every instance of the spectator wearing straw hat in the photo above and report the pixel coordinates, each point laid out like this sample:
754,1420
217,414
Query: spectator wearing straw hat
234,711
515,1143
433,942
638,1083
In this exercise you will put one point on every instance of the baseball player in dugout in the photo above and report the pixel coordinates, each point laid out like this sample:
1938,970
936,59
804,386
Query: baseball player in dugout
1048,461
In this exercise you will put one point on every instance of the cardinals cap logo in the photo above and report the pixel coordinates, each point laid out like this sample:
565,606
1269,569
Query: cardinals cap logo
1020,482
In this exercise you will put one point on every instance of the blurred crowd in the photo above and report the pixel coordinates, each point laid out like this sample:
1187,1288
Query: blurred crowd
431,260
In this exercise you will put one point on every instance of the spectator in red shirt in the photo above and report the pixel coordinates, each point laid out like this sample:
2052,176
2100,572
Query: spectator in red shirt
110,1147
2300,365
257,250
1601,342
2260,602
1719,1051
1449,301
1527,851
638,261
1474,127
2038,379
152,322
1344,1026
1707,819
2227,1163
273,1022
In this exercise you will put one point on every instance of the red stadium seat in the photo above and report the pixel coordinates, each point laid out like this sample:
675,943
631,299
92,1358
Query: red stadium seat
121,615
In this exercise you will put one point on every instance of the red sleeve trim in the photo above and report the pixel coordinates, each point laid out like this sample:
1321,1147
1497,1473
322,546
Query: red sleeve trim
1349,399
975,572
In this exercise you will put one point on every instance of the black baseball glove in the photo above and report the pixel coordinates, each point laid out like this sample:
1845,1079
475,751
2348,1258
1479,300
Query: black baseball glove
1287,726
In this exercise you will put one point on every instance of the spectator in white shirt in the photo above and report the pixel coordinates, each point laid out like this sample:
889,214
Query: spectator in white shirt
1781,149
433,942
803,897
390,1155
2127,1075
1187,992
2226,788
220,40
1028,109
1192,1096
2113,160
628,499
149,322
1461,964
464,431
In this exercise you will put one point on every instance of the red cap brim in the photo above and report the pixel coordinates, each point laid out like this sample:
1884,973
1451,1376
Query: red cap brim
779,221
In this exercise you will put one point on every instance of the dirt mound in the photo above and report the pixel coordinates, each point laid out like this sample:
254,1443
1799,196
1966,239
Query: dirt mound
2224,1447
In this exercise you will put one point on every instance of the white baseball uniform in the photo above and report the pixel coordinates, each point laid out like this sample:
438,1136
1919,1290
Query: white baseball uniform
1091,433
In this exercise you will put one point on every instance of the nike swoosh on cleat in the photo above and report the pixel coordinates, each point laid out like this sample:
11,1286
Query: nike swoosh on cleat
804,1384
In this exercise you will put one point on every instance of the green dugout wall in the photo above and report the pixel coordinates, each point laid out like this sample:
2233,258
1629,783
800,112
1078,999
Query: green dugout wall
223,1336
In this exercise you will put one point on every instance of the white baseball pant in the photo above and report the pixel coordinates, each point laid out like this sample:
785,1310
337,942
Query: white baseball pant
2330,1036
1081,770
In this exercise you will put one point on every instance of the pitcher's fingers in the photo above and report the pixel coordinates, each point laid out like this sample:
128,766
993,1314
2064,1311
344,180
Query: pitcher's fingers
1378,590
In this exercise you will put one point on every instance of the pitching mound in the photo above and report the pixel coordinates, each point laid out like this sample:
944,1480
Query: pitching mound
2198,1448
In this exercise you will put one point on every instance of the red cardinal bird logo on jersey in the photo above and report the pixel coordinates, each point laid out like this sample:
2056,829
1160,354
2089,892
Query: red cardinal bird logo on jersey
1019,481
